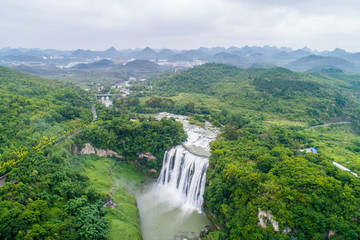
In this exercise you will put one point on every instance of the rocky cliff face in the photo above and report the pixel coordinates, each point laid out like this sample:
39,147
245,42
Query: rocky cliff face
89,149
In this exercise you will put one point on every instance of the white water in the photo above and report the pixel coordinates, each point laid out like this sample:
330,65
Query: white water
184,174
184,167
174,203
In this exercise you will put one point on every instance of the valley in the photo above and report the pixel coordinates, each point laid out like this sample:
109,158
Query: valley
177,177
179,120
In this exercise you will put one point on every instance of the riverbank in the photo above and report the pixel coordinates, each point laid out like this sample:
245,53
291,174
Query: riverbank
124,218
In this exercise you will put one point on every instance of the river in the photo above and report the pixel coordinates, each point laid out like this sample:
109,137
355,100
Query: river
172,206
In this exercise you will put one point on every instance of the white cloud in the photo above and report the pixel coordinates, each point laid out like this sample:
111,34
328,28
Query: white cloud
99,24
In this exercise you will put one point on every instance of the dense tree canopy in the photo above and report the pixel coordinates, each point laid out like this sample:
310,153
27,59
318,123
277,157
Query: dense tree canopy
45,196
305,193
312,98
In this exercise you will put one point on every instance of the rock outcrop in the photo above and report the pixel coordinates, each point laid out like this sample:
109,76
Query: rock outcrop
89,149
266,216
147,155
107,153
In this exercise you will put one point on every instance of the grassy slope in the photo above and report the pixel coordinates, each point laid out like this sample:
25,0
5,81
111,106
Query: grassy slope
333,142
124,219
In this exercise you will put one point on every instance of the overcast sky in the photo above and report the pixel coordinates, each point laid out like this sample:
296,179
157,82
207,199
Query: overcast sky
179,24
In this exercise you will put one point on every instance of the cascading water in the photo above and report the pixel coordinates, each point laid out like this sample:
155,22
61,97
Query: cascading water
185,172
174,203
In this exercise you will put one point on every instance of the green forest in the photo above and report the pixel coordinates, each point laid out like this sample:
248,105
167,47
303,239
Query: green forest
305,193
267,118
49,192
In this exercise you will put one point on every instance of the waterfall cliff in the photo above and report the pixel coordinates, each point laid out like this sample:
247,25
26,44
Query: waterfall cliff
173,204
184,167
185,173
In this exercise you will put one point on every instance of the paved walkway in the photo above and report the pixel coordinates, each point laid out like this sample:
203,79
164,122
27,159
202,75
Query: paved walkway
328,124
93,110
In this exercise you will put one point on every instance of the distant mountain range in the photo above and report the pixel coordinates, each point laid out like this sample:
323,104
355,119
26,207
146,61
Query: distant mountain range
35,52
315,63
303,60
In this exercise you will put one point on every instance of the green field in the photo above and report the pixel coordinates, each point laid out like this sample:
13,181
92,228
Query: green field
124,219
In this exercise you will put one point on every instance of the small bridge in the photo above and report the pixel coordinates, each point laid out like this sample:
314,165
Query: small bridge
102,97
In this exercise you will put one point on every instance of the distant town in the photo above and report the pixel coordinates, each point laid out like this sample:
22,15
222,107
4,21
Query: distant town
302,60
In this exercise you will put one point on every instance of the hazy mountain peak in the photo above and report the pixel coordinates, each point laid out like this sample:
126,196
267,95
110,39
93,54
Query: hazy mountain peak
112,49
203,49
306,49
339,50
148,49
233,48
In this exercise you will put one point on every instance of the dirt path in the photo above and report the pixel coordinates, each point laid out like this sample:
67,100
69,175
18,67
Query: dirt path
113,205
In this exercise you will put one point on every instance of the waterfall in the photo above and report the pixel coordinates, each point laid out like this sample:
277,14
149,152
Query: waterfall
173,204
184,167
185,173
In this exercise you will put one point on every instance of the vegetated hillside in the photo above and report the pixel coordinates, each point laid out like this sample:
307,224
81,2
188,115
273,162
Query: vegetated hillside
46,191
42,195
103,72
256,167
142,66
261,99
295,96
300,195
32,107
104,63
40,70
130,138
315,63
